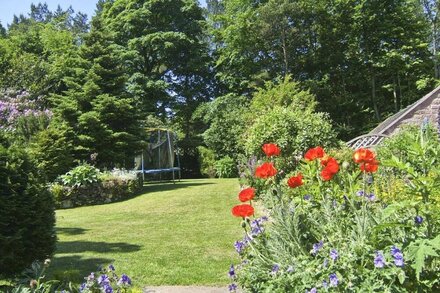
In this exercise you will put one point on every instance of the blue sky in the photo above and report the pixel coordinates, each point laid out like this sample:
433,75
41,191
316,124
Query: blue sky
10,7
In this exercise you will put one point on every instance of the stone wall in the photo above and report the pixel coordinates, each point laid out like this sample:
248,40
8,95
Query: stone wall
429,110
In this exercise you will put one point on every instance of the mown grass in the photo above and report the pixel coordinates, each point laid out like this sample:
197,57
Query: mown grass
173,234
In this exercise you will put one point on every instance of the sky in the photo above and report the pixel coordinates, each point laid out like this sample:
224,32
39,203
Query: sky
10,7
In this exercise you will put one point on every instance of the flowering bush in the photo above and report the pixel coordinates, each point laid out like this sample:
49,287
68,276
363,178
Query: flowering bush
328,228
23,114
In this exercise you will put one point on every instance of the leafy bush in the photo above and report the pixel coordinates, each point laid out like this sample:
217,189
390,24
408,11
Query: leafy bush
105,187
81,175
27,215
53,150
330,230
294,131
207,161
225,168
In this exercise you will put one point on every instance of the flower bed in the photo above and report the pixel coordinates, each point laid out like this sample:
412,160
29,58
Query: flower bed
95,188
332,226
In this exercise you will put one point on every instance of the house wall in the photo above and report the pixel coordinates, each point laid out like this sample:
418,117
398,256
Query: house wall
430,109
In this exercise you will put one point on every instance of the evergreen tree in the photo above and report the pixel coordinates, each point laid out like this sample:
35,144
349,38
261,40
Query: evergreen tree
96,105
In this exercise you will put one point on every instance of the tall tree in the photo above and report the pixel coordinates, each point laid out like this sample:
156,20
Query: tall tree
96,105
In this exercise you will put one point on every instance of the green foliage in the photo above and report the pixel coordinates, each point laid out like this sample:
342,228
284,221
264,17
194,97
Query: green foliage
81,175
225,116
362,59
284,114
207,161
226,168
27,219
53,150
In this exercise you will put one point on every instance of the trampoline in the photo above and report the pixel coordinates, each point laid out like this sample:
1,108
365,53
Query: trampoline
160,155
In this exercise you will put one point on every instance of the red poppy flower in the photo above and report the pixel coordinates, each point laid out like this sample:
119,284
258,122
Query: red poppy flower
314,153
243,210
363,156
266,170
331,169
370,167
246,194
295,181
271,149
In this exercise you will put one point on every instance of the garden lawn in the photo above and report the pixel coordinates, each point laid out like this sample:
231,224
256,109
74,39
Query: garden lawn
173,234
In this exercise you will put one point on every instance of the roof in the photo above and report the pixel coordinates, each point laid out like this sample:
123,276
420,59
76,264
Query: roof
392,122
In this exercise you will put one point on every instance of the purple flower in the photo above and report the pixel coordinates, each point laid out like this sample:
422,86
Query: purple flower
325,264
334,254
313,290
82,287
275,268
289,269
418,220
398,256
231,272
371,197
307,197
91,277
360,193
108,289
124,280
111,268
103,280
317,247
239,246
379,260
256,227
232,287
324,284
333,280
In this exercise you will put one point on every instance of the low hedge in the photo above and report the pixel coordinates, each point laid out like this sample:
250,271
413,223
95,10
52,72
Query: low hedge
108,189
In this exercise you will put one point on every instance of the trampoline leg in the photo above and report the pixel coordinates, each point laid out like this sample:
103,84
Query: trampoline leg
173,178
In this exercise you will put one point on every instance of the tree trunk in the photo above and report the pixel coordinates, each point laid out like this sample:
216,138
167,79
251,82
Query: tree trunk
399,96
373,98
396,108
286,62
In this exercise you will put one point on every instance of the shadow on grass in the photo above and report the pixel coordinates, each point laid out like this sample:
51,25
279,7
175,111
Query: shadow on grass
74,268
70,231
167,186
100,247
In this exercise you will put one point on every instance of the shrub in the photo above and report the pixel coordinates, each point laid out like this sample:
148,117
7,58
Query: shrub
207,162
294,131
225,168
53,150
81,175
329,229
27,212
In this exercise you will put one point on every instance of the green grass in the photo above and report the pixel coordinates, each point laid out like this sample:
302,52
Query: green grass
173,234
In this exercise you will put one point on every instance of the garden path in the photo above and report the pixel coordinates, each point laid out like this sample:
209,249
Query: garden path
185,289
